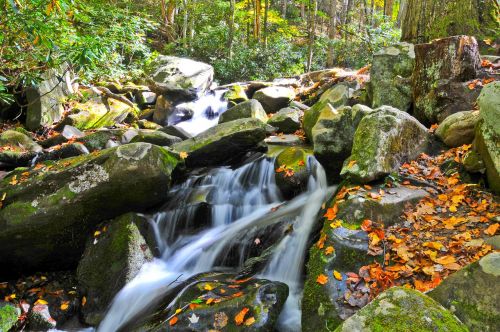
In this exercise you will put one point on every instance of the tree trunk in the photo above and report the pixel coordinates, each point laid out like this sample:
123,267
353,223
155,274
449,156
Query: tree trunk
332,31
185,21
313,9
389,8
266,12
403,6
284,5
231,28
257,14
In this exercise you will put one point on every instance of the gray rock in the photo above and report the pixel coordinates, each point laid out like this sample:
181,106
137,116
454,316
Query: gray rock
155,137
287,120
470,294
247,109
145,98
274,98
458,128
173,130
145,124
235,95
65,151
17,148
163,110
384,140
286,140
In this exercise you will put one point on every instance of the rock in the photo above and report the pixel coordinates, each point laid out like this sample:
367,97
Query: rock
65,151
333,98
333,136
145,124
155,137
111,260
292,171
173,130
437,65
45,100
8,316
287,120
458,128
487,138
99,139
223,143
94,114
247,109
180,78
468,293
383,141
163,109
390,76
146,114
235,95
274,98
17,149
262,298
473,162
51,210
39,318
402,309
298,105
145,98
286,140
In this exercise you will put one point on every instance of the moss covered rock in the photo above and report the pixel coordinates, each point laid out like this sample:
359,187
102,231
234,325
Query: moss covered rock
458,128
333,136
111,260
469,294
235,95
99,139
51,209
390,76
384,140
247,109
17,149
292,172
401,309
8,316
155,137
223,143
274,98
287,120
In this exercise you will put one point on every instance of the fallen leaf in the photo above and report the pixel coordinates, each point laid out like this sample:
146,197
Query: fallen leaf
173,321
434,245
329,250
249,321
193,319
492,229
183,155
322,279
331,213
239,318
445,260
208,287
337,275
84,301
65,305
41,301
351,163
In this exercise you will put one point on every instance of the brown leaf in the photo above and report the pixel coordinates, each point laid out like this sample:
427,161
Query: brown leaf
239,318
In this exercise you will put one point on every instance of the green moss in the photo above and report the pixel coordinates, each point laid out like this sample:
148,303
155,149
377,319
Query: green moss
8,316
17,212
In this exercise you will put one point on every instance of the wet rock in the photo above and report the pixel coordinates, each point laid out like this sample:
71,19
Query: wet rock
247,109
299,106
384,140
402,309
390,76
333,136
155,137
146,114
274,98
8,316
473,162
287,140
163,110
39,318
98,140
437,65
173,130
111,260
17,149
469,294
223,143
67,133
145,98
458,128
51,210
292,171
65,151
145,124
287,120
235,95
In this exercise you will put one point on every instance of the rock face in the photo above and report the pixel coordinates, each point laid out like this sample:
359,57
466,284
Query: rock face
51,210
287,120
437,65
274,98
235,95
488,133
247,109
402,309
333,136
180,77
223,143
45,100
155,137
390,77
384,139
458,128
292,174
468,294
111,260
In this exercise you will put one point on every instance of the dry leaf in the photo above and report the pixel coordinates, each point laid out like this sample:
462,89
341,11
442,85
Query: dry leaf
322,279
240,317
173,321
337,275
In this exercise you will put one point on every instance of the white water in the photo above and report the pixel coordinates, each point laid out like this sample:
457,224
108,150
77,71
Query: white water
207,110
242,201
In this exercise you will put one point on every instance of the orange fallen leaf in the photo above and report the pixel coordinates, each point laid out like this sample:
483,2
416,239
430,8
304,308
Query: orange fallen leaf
240,317
65,305
183,155
492,229
84,301
322,279
331,213
41,301
351,163
173,321
445,260
210,300
329,250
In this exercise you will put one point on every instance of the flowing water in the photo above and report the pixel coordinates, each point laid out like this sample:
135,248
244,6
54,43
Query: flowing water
240,201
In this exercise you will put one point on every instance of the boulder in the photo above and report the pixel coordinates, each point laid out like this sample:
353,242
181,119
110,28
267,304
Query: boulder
99,139
155,137
286,140
145,98
287,120
487,138
390,77
333,136
383,141
51,209
145,124
163,110
458,129
473,162
402,309
274,98
174,130
17,149
469,294
67,133
439,64
292,171
223,143
235,95
64,151
180,78
247,109
8,316
112,258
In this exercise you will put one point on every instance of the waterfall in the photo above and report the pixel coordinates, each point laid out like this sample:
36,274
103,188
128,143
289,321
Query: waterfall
240,202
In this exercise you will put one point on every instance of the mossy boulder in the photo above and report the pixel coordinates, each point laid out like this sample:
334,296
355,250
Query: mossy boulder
235,95
8,316
292,171
333,136
223,143
489,104
470,294
100,139
17,149
247,109
287,120
401,309
390,77
174,130
155,137
383,141
458,129
112,258
50,209
274,98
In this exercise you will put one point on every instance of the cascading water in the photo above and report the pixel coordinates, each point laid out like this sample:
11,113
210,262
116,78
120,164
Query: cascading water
240,201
